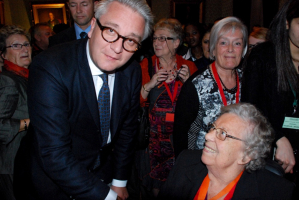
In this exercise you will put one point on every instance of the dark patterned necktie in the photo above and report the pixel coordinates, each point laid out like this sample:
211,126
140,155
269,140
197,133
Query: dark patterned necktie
104,108
83,35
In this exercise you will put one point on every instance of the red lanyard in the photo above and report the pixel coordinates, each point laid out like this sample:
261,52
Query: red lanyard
172,96
214,71
229,189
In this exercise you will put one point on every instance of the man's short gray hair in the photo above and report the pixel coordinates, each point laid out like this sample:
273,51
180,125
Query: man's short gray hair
222,27
139,6
259,133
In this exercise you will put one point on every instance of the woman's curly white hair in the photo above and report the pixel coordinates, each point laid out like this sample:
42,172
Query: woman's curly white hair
259,134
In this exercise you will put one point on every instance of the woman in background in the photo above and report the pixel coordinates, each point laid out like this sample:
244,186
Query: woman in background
257,36
271,83
205,60
219,85
14,118
163,86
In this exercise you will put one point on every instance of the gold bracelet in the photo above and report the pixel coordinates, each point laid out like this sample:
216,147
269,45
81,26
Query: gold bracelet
145,89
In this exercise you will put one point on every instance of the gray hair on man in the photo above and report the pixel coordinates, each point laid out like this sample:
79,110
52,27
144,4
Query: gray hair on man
222,27
139,6
259,133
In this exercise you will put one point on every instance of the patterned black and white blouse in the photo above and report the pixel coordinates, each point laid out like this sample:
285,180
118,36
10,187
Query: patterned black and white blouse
209,106
199,104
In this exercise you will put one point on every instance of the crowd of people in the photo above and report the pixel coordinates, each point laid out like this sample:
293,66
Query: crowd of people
222,106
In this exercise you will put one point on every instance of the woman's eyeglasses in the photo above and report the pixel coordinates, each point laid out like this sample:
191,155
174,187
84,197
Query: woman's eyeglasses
19,46
162,38
221,134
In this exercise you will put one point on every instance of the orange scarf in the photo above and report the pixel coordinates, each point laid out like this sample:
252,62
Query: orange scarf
21,71
203,190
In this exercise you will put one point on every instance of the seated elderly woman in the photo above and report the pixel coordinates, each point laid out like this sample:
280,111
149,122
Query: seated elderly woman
231,164
202,96
14,118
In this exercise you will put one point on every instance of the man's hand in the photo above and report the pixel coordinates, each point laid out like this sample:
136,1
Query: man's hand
285,155
122,193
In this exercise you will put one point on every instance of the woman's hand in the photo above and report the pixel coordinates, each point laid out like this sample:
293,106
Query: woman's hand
285,155
24,124
157,79
184,73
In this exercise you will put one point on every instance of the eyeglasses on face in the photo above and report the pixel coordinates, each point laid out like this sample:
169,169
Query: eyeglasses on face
19,46
221,134
110,35
162,38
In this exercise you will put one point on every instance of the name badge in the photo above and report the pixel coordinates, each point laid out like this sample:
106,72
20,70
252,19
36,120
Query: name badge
291,123
169,117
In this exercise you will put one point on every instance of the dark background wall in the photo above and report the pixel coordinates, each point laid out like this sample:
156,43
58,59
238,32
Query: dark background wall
252,12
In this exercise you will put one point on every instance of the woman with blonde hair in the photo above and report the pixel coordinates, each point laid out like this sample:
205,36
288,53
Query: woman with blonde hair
162,87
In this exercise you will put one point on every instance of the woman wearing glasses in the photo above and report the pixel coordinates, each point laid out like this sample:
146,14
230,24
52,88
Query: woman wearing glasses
14,118
219,85
231,164
162,86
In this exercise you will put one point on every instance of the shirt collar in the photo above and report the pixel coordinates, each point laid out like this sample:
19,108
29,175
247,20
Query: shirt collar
95,71
78,30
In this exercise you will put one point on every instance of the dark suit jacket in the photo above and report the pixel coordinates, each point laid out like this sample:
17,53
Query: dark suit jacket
188,173
62,37
65,136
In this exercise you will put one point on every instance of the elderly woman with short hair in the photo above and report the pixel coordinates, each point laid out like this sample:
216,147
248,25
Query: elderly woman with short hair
14,117
169,71
219,85
231,164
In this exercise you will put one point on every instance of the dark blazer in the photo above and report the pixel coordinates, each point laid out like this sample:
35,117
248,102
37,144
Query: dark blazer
13,107
188,173
66,35
65,138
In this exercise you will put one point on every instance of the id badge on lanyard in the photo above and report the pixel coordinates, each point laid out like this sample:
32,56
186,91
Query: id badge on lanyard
292,122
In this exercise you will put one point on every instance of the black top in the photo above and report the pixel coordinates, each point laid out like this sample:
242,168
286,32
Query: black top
202,62
259,87
189,172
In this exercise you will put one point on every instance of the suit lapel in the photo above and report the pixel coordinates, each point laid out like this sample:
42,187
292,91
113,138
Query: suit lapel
119,99
86,83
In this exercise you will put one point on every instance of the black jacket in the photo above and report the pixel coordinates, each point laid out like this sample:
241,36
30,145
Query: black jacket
189,172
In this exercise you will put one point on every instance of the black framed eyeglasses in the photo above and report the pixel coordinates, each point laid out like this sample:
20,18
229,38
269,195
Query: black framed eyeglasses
221,134
110,35
162,38
19,46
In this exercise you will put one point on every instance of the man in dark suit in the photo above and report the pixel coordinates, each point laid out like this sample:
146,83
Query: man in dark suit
82,12
66,155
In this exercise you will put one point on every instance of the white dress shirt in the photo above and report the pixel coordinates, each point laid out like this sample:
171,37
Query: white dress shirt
98,82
